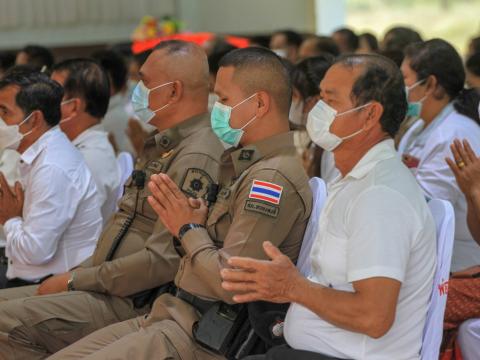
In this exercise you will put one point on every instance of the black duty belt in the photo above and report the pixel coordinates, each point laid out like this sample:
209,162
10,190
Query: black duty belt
200,304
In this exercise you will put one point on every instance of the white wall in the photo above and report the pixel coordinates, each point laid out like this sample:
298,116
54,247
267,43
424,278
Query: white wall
90,22
74,22
248,16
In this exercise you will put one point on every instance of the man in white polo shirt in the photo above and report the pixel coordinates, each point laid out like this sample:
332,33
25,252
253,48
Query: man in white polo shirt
52,225
84,104
373,258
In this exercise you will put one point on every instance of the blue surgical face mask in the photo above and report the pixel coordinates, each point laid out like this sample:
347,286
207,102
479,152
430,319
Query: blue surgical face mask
220,120
140,101
414,107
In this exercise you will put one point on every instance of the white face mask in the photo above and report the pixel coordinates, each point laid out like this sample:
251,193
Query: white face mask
10,135
319,121
296,114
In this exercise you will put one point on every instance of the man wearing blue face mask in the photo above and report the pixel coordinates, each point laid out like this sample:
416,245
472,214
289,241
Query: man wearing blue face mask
263,194
373,256
135,254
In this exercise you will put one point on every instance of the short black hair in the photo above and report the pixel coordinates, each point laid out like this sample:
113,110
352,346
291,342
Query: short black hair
370,39
87,80
115,65
7,60
325,44
38,56
475,44
36,92
381,80
351,39
395,55
140,58
467,103
260,69
293,38
438,58
308,73
473,64
218,52
399,37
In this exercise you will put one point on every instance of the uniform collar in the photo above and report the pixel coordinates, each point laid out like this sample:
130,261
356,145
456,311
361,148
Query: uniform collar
248,155
168,139
29,156
382,151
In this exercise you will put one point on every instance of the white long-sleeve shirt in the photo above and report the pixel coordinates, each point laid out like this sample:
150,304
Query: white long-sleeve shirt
431,145
100,158
61,218
9,168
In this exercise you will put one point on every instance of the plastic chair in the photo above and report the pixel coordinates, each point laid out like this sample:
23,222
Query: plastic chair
444,217
319,191
125,166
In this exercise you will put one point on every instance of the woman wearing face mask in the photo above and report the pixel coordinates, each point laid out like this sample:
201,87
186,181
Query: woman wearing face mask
435,77
306,77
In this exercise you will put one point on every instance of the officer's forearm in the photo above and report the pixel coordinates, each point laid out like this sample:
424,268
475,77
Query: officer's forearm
205,262
128,275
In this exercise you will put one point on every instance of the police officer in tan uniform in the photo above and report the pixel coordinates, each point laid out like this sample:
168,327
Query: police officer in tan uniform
135,254
263,195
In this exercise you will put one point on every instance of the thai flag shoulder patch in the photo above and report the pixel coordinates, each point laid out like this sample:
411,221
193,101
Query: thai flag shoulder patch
266,191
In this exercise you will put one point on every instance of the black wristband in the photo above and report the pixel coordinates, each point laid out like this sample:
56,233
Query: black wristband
185,228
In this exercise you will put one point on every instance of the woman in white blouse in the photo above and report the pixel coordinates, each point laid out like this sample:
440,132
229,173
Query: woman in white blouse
435,77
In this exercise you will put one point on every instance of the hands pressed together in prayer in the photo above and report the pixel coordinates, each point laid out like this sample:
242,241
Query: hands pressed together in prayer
11,200
172,206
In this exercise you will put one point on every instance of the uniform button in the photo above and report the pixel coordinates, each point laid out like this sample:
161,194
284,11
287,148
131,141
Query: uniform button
11,262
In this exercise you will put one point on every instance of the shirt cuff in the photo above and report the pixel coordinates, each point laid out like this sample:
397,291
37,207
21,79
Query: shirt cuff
196,240
86,279
10,224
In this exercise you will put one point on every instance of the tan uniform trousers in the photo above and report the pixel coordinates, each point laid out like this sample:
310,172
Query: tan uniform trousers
34,327
164,334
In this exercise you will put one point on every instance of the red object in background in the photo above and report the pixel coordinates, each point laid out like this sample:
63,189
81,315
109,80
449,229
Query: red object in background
197,38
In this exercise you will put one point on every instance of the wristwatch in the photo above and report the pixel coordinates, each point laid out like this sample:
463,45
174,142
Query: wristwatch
70,283
183,230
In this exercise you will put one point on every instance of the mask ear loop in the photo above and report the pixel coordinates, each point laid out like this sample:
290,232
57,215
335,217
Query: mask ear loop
349,111
23,122
158,87
240,103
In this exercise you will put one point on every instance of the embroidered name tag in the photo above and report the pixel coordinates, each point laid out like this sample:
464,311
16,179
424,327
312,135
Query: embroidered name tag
262,208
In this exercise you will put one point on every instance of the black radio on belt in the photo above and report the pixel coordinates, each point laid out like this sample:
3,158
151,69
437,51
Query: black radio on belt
217,328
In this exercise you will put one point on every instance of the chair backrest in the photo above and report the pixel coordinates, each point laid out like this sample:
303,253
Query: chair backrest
319,191
444,217
125,166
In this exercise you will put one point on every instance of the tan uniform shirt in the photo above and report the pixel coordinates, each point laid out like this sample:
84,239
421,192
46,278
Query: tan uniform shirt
264,195
146,258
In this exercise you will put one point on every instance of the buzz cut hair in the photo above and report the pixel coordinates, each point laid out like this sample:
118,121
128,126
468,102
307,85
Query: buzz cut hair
260,69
